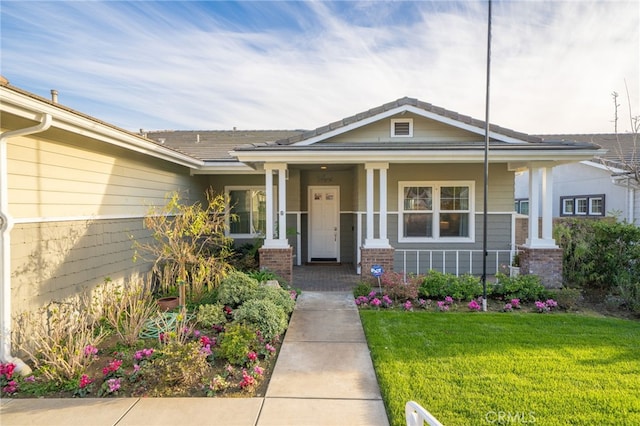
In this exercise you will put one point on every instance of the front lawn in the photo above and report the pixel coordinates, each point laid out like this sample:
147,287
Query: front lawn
507,368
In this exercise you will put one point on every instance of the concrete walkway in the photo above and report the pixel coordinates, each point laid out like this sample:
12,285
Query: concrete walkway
323,376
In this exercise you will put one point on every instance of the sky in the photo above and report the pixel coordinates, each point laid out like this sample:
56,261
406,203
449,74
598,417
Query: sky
160,65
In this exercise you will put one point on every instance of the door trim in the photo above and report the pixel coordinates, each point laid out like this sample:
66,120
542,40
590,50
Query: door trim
310,190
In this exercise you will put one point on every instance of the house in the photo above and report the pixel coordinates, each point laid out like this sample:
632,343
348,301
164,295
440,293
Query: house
597,187
399,185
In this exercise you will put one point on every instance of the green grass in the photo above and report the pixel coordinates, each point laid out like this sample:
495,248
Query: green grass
470,368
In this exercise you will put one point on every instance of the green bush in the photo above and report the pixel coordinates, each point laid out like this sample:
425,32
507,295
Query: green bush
178,367
236,288
237,340
280,297
567,298
438,285
628,290
266,316
600,253
362,289
210,315
263,275
527,288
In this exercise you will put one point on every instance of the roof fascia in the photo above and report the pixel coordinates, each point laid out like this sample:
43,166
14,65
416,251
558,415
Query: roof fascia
31,108
406,108
414,156
225,168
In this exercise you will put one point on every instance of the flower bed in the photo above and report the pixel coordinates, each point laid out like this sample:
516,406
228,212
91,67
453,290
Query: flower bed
210,349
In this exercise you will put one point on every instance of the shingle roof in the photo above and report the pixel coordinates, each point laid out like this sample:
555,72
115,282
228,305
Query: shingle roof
214,145
445,113
622,148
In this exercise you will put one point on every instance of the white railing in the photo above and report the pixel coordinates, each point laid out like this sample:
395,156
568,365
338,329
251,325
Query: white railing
452,261
418,416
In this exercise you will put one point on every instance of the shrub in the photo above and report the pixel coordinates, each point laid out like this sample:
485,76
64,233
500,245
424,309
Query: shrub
126,308
394,286
266,316
598,254
527,288
435,285
362,289
567,298
178,367
629,291
263,275
236,288
58,335
438,285
210,315
237,340
278,296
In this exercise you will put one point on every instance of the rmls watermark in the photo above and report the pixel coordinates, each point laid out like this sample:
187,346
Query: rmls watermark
508,417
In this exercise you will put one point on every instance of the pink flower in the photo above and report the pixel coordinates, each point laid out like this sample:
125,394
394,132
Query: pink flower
30,379
515,303
387,300
90,350
408,306
258,370
551,303
252,356
247,380
6,370
508,307
112,367
474,306
448,300
196,333
206,350
11,387
84,381
375,302
270,348
114,385
205,340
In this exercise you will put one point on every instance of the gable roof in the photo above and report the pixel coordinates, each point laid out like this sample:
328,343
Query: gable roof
416,106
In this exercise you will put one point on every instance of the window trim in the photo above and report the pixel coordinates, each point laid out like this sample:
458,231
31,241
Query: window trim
437,185
401,120
228,189
589,207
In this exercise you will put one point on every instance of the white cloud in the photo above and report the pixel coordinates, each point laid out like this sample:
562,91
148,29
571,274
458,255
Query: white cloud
303,65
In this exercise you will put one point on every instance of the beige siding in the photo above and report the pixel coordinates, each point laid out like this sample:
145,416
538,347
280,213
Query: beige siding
88,179
424,130
55,260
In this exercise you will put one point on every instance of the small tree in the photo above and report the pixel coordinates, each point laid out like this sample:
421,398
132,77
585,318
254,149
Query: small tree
628,156
190,247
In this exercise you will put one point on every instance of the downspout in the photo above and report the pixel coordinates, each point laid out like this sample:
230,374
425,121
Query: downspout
6,224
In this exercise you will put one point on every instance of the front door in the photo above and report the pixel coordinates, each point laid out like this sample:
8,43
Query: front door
324,225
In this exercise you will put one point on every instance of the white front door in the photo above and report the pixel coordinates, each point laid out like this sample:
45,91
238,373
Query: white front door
324,223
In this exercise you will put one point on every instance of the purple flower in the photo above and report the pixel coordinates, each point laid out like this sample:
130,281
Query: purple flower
408,306
376,302
551,303
30,379
541,306
474,306
508,307
258,370
515,303
387,300
114,385
448,300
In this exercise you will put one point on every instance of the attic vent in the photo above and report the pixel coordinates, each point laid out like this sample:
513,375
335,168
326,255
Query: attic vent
402,127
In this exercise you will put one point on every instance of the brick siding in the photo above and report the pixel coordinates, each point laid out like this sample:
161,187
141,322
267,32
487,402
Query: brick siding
279,261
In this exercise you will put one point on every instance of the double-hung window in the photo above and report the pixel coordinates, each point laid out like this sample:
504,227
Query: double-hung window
436,211
249,206
582,205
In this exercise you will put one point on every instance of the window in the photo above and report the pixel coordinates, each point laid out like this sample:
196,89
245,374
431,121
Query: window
402,127
596,206
583,205
249,205
435,210
522,206
567,206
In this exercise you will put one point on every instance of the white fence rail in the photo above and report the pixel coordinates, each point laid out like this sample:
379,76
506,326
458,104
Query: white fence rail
418,416
457,262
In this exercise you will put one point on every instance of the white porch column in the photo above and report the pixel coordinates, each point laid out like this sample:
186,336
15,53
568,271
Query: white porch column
381,241
547,207
534,209
540,181
281,241
369,205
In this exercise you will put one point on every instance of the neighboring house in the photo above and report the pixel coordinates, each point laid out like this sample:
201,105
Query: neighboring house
598,187
400,185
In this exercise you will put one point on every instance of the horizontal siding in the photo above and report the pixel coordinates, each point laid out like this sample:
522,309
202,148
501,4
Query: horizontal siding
424,130
53,261
86,178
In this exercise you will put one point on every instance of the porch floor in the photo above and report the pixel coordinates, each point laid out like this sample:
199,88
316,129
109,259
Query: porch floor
325,277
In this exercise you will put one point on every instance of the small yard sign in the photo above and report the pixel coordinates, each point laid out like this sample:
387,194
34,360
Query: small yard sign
376,270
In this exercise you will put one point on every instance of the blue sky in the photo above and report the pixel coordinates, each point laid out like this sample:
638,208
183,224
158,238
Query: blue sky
301,65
